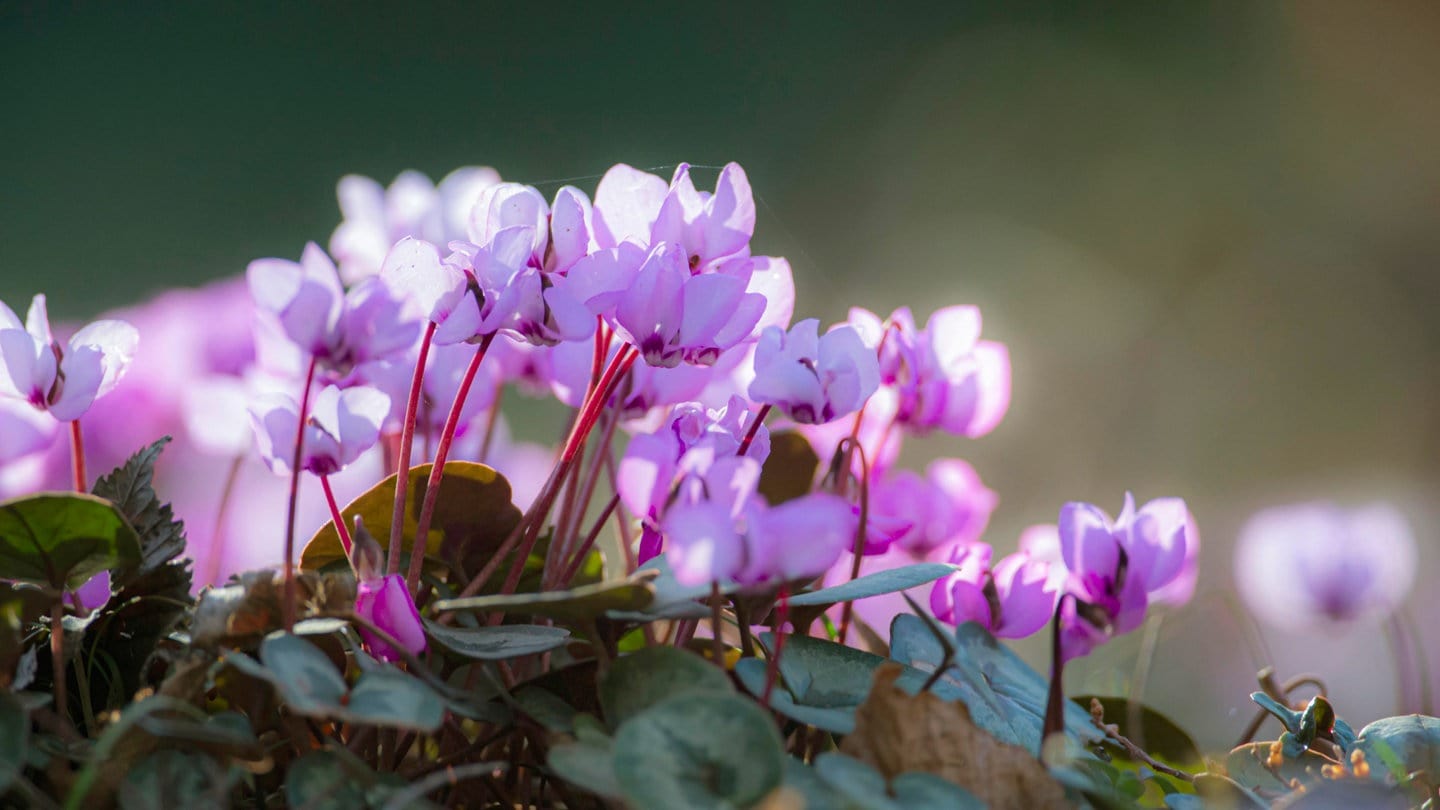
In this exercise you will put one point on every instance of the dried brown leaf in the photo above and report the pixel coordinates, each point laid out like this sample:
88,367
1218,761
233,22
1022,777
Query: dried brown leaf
896,732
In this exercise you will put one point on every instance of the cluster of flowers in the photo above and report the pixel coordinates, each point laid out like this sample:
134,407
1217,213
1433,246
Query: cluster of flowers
644,309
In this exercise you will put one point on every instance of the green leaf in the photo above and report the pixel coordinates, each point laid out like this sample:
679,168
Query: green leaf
129,487
1158,735
63,539
924,791
140,613
1005,696
638,681
698,750
1412,739
546,708
473,516
888,581
328,780
389,697
672,600
227,732
497,643
304,675
171,778
584,603
859,784
1248,765
588,764
790,468
822,683
14,739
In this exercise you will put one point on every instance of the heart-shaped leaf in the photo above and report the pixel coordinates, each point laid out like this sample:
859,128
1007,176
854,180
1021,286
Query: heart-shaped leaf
790,468
473,516
698,750
638,681
63,539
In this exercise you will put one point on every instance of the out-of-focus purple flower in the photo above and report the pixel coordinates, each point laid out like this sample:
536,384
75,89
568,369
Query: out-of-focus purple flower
949,505
305,302
945,375
24,431
386,602
376,218
713,228
719,529
1316,565
340,426
1012,599
63,380
814,379
1116,565
648,472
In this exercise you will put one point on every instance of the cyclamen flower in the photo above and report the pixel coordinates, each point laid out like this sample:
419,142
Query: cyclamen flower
1316,565
387,603
950,505
720,529
63,380
1115,566
814,379
340,427
945,376
376,217
1012,599
342,330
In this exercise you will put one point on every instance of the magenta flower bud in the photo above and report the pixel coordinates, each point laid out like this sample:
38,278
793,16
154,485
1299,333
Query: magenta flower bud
387,604
814,379
61,379
1317,565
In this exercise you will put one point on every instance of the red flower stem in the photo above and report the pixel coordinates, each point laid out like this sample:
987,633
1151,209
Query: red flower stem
533,514
590,411
772,668
77,456
847,612
288,611
335,514
754,429
589,543
222,511
591,479
402,464
1055,700
432,487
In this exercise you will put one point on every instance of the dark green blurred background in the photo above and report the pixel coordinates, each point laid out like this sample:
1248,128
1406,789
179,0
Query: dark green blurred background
1207,231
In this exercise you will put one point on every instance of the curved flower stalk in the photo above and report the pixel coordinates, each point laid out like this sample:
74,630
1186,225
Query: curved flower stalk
944,375
1013,598
1116,566
376,217
1318,565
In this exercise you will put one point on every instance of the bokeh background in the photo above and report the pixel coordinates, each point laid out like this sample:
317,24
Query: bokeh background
1207,231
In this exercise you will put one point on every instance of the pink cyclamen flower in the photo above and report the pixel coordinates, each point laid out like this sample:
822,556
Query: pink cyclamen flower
340,427
720,529
376,217
945,376
1012,599
63,380
814,379
1116,566
1318,565
387,604
949,505
305,302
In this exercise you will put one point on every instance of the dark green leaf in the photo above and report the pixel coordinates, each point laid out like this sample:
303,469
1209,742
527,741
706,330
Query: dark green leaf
169,779
127,629
700,751
1005,696
14,739
304,676
63,539
639,681
546,708
1157,734
497,643
589,764
1413,740
328,780
129,487
790,468
389,697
